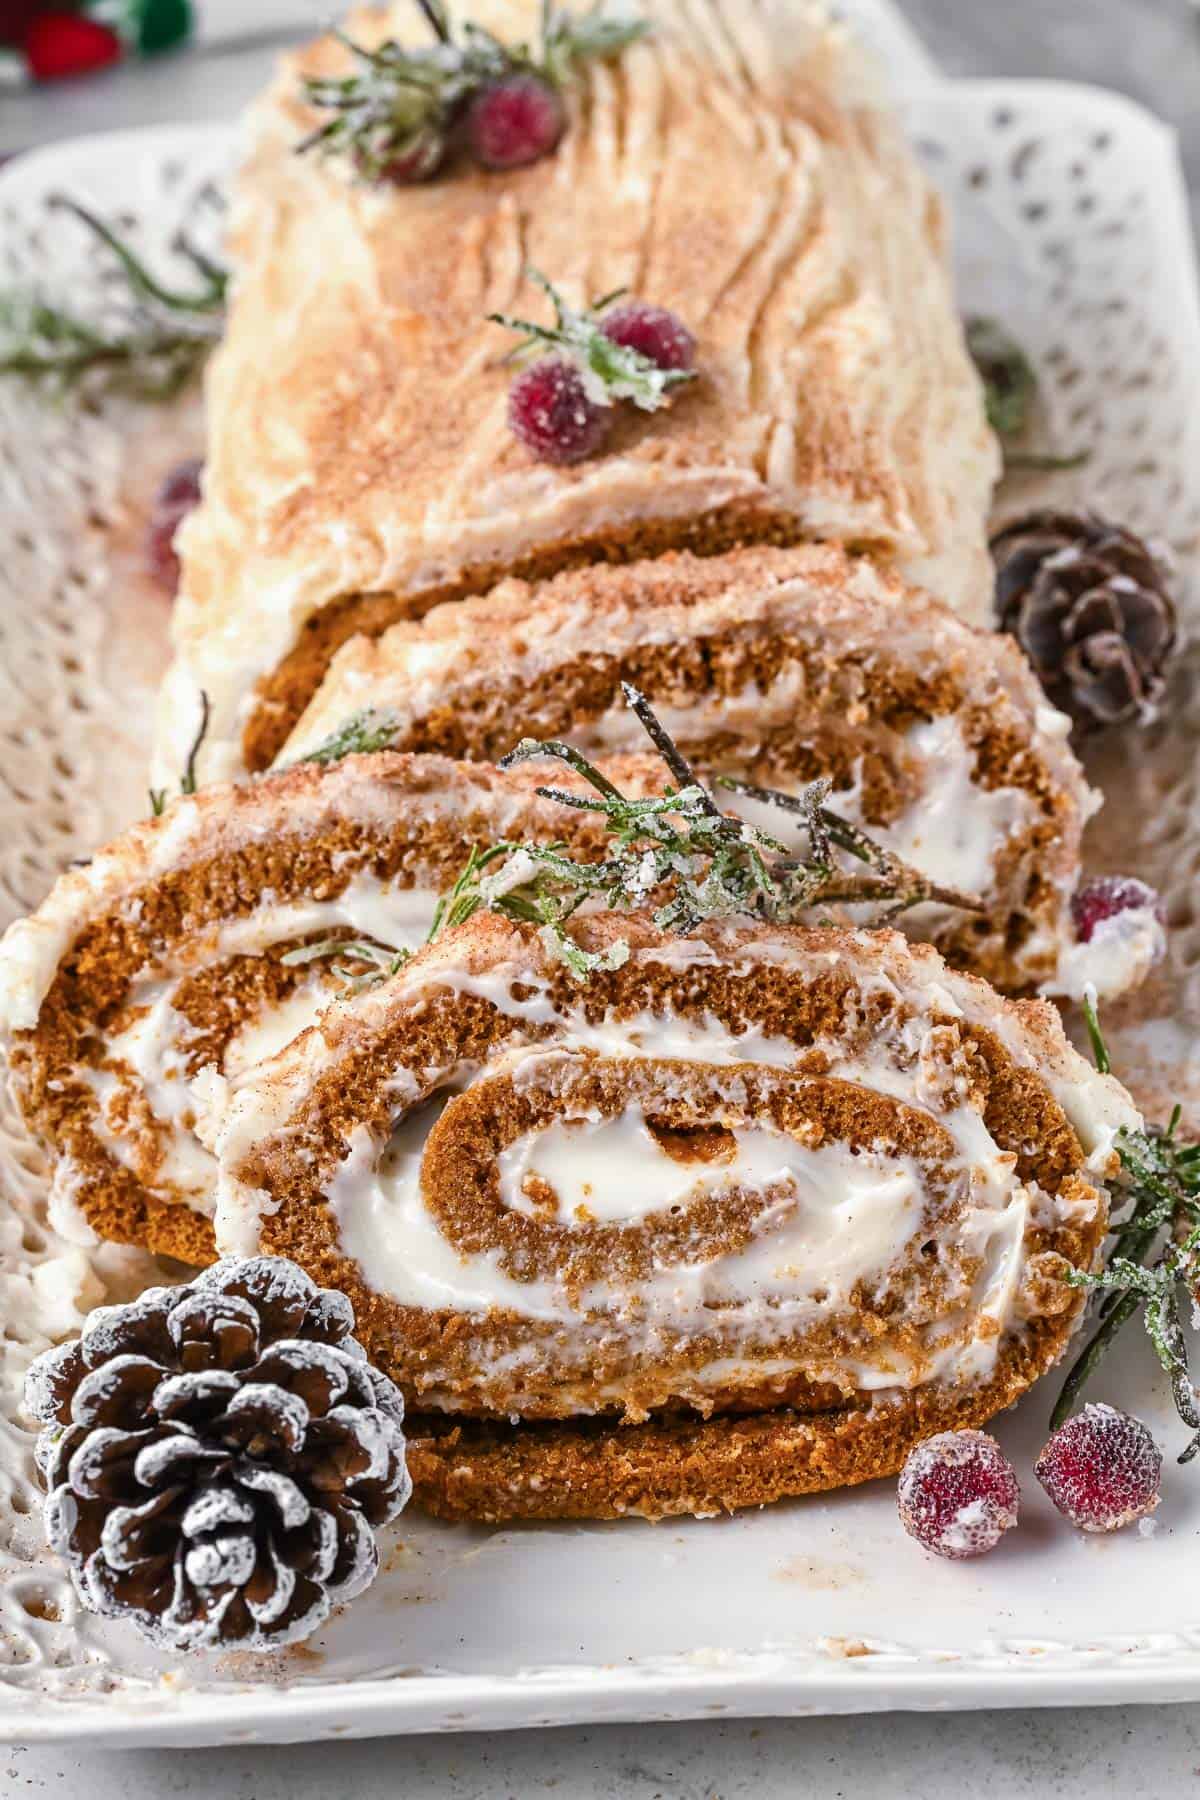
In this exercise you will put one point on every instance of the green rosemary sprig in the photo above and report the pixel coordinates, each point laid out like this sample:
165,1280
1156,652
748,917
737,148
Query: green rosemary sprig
382,963
568,39
1010,388
680,849
1158,1190
610,371
187,781
895,885
398,107
154,341
364,733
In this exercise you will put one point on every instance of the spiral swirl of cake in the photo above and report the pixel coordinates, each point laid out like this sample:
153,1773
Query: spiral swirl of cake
151,980
801,1194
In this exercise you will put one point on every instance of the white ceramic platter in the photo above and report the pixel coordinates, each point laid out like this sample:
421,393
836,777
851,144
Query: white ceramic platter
1070,226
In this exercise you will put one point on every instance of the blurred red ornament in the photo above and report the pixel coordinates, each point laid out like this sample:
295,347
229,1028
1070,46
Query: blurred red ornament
61,44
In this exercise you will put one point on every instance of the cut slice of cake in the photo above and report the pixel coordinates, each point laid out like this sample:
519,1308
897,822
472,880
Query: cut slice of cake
737,166
151,980
773,666
745,1214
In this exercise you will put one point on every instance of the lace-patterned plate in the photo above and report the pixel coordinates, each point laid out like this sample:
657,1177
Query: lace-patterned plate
1070,225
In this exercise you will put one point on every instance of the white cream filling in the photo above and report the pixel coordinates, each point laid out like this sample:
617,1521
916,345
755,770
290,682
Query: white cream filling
744,712
1118,956
153,1049
615,1171
154,1046
395,916
952,833
841,1218
272,1029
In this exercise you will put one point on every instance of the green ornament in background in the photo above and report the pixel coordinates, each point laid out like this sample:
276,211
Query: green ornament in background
145,26
161,24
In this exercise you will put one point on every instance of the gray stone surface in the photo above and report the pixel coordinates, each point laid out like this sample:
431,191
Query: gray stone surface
1151,50
1106,1755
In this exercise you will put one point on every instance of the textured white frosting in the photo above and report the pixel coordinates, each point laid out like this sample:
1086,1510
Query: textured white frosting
1118,956
357,409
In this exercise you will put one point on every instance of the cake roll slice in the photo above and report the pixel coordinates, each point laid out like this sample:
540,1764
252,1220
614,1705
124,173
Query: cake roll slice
737,166
772,666
155,977
744,1214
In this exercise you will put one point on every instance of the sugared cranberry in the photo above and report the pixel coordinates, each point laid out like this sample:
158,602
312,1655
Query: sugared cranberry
1106,897
551,412
958,1494
658,334
514,121
1102,1469
176,497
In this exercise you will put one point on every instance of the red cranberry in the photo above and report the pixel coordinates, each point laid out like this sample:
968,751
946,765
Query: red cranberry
551,412
1106,897
659,335
514,121
1102,1469
958,1494
176,497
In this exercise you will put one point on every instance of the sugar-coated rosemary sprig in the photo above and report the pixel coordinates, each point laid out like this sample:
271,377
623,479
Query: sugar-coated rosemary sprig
895,886
153,341
677,848
611,370
1010,387
399,111
362,734
1157,1191
187,781
381,963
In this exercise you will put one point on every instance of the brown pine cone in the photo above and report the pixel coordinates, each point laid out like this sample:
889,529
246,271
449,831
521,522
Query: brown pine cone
1090,605
216,1455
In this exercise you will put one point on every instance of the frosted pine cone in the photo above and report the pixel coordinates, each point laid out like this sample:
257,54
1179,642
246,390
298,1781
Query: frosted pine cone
216,1457
1090,605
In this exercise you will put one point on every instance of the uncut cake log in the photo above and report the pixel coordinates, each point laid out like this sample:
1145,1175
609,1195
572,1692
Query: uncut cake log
738,166
774,666
743,1216
152,979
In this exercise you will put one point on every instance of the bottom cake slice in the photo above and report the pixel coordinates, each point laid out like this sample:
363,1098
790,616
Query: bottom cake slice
742,1214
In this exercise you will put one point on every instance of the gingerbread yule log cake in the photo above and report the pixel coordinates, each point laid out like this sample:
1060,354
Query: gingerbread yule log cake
775,666
736,165
152,979
742,1214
